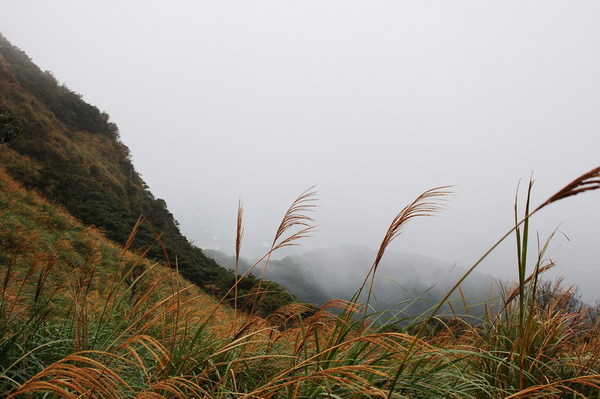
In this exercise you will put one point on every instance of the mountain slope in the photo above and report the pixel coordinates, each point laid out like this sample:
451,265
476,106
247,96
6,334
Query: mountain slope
65,288
71,154
44,251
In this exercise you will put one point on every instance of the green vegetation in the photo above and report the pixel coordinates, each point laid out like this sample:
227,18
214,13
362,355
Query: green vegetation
72,156
79,318
7,130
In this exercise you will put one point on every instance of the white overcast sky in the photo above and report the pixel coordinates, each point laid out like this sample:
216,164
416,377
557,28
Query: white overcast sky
372,101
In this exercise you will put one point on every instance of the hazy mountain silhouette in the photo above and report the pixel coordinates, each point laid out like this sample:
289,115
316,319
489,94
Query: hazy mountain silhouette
404,281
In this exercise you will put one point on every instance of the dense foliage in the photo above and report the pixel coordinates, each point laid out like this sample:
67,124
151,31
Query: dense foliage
72,155
7,130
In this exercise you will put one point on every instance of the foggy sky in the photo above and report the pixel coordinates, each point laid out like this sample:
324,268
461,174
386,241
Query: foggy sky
372,101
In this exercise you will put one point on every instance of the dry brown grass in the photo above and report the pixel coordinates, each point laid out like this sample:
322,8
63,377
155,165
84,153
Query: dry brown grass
147,333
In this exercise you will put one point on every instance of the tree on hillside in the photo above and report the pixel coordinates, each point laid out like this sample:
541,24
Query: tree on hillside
8,130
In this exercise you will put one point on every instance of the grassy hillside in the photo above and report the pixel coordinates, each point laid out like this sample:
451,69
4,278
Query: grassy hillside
80,317
67,289
71,154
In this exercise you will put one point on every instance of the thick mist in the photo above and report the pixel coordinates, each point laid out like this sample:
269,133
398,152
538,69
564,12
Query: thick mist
405,285
374,102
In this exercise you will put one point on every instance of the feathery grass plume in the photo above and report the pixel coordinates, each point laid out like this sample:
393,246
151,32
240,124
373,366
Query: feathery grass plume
285,315
587,182
295,217
239,234
553,389
77,373
426,204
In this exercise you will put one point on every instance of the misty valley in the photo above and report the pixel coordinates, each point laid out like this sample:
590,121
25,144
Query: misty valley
407,284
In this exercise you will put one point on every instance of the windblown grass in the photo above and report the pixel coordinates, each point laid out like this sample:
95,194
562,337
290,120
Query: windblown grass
81,318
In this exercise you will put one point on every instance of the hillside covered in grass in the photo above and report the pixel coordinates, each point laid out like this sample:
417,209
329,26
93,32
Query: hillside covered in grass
67,289
71,154
82,318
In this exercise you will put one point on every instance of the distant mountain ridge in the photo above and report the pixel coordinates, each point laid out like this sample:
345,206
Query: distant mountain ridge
320,275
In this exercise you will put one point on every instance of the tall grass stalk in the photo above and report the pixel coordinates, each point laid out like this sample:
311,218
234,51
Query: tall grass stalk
522,246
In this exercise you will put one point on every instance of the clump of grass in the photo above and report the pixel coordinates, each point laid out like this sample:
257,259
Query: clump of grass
80,325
